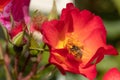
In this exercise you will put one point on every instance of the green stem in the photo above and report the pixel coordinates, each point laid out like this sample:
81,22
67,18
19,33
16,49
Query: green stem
39,49
34,68
16,65
8,77
26,62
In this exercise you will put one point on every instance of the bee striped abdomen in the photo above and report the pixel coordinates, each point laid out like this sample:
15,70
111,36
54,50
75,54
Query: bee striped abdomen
75,50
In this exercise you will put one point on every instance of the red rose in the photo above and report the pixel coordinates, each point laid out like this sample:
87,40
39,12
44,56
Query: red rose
112,74
77,41
17,35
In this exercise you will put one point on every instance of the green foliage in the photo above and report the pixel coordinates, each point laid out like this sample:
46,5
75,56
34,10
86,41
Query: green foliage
107,9
34,46
3,33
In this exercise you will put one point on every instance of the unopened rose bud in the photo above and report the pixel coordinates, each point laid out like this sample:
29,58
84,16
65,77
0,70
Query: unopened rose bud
53,14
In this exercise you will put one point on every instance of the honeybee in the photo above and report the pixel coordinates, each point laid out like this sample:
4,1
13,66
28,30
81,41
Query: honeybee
76,51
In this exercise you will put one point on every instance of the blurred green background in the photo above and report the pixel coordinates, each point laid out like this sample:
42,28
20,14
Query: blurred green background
109,10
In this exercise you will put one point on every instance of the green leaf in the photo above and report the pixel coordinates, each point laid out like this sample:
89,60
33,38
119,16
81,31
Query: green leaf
33,43
3,32
34,46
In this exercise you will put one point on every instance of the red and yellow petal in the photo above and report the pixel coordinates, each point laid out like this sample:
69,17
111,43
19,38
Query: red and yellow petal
51,32
92,44
83,22
3,3
66,62
62,58
54,33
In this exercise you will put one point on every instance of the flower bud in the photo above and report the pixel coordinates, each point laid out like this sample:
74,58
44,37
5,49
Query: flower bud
53,14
